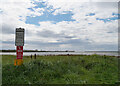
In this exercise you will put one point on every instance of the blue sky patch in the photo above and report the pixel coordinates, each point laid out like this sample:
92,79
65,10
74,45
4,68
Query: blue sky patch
90,23
116,17
31,9
115,14
40,4
1,11
107,19
47,16
90,14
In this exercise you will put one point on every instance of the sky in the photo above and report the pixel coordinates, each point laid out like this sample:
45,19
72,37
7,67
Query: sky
61,24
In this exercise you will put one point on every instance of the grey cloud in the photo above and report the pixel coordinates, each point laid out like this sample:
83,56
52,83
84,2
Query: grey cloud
76,44
51,34
43,43
7,29
46,33
8,42
28,32
110,32
107,5
69,36
73,42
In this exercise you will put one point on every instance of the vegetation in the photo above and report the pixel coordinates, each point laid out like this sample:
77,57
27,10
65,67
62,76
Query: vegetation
76,69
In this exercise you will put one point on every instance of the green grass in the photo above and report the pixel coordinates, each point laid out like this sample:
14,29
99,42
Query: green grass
77,69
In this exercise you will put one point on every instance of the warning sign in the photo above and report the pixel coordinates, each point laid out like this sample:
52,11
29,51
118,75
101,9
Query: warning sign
19,39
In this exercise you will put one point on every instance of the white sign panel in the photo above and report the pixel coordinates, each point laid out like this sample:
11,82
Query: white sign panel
19,40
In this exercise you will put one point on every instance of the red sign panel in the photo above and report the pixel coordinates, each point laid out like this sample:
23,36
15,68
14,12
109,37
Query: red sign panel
19,52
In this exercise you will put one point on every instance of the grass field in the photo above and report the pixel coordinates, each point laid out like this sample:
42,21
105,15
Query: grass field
77,69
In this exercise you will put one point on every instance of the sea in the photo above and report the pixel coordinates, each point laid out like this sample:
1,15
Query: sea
109,53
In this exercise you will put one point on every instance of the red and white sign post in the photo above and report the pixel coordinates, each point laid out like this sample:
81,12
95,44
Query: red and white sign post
19,43
19,52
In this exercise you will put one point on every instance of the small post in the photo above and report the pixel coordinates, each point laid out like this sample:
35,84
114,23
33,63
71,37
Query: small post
31,56
35,56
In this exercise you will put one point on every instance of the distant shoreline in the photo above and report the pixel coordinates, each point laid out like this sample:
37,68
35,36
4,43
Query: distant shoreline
26,53
52,51
33,51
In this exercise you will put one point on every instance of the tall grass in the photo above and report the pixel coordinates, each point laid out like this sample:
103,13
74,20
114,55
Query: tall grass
78,69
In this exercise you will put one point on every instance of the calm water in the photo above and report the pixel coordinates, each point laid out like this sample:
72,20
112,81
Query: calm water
62,53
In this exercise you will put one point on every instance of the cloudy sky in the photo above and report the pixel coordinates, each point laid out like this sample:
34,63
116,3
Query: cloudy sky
60,24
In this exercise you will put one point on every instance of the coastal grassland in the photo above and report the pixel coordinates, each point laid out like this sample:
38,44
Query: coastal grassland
61,69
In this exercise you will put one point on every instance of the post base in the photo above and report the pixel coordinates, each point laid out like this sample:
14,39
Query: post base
18,62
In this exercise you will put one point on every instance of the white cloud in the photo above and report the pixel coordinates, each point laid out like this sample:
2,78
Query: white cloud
16,9
79,10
